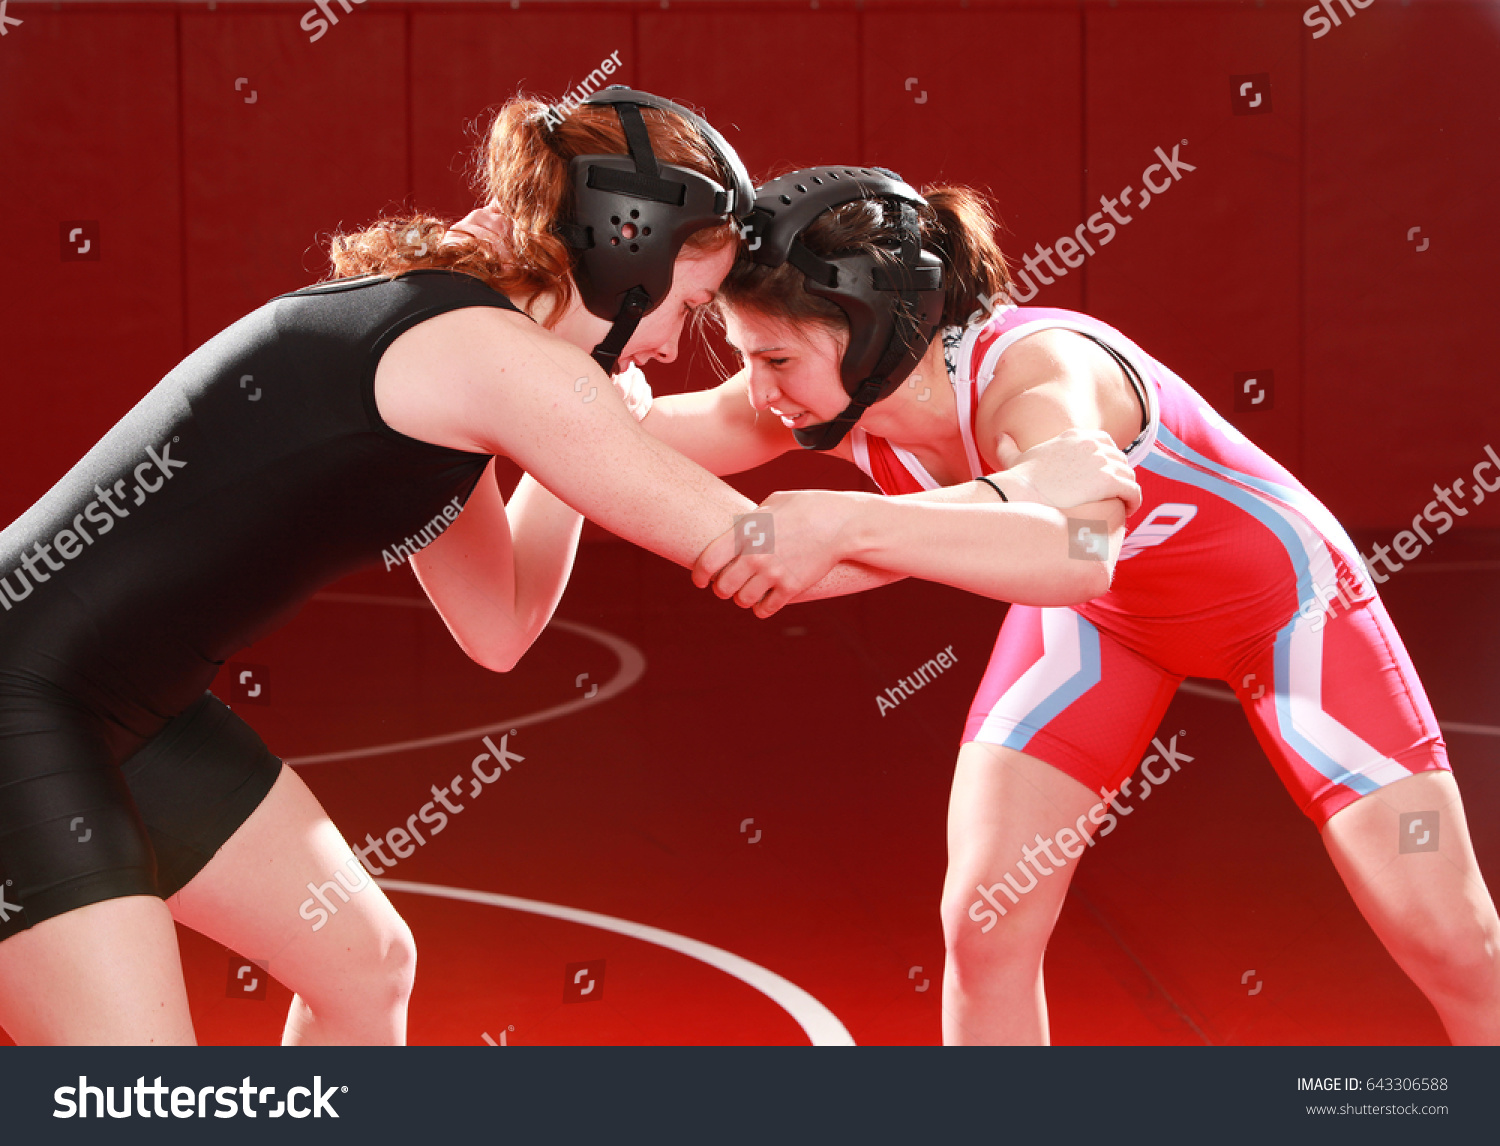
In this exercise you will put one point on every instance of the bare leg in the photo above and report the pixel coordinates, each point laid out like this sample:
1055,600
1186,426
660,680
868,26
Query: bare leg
107,974
353,975
992,980
1431,909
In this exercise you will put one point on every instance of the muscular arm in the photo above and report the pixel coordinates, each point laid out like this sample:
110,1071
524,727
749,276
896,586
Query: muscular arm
721,431
962,536
1045,385
718,428
490,381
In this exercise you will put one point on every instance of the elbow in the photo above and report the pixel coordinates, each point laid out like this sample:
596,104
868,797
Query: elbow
1076,583
497,655
502,652
502,661
1091,579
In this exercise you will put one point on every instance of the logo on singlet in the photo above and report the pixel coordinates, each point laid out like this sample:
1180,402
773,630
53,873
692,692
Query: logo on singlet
1161,523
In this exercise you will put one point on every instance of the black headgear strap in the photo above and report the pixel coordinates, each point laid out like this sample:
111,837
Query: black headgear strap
632,214
893,309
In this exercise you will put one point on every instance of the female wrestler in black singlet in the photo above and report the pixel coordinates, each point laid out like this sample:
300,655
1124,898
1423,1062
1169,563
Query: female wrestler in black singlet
202,521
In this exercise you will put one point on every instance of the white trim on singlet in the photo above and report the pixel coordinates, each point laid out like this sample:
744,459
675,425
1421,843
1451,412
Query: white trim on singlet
860,444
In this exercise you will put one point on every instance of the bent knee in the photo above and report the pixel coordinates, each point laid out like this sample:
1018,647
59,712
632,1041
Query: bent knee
370,961
1457,953
990,930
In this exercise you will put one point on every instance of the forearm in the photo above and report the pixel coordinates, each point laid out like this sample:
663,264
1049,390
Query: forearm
544,535
681,421
718,428
848,577
1011,552
598,460
496,574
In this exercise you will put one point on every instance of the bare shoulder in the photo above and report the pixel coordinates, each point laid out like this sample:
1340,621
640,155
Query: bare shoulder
1052,355
1053,380
444,380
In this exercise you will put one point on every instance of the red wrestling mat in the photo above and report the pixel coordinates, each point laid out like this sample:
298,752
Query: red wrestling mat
743,793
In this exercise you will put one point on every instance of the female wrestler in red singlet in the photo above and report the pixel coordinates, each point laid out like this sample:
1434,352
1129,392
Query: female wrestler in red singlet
1231,571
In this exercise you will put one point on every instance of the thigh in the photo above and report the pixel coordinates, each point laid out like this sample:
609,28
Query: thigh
1061,691
1405,855
107,973
1016,827
70,834
195,782
1339,709
287,891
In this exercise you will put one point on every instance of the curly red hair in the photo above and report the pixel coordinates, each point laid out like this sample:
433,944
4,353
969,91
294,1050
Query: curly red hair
522,173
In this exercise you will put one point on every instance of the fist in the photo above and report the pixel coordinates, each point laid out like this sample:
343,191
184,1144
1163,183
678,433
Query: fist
636,391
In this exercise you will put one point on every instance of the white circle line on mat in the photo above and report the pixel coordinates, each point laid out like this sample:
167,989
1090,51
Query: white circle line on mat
632,668
821,1025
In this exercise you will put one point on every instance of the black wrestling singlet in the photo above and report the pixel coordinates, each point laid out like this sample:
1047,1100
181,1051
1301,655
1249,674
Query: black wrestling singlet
254,473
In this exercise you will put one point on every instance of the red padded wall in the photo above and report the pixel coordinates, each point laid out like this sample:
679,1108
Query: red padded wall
1286,249
88,133
1205,277
466,63
323,146
1005,121
1403,131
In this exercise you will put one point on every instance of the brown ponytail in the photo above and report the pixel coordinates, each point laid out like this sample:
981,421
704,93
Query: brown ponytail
522,172
956,224
964,236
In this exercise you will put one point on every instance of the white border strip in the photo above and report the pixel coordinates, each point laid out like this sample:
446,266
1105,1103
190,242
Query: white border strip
821,1025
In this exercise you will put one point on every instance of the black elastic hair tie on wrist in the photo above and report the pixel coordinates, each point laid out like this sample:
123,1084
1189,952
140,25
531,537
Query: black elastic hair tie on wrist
994,487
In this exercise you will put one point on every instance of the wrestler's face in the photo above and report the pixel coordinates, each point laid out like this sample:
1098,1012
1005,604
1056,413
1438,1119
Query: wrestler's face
794,370
695,278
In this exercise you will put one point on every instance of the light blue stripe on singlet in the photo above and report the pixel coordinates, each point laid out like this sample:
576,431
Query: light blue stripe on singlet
1300,499
1174,470
1087,676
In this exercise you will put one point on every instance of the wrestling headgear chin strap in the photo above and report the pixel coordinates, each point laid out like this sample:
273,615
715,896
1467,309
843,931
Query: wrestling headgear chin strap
893,311
632,214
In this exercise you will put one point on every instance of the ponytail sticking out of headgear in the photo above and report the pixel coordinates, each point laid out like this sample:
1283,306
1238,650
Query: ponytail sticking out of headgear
602,201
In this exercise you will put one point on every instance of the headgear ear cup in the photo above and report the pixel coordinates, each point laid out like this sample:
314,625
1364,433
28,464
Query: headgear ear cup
893,306
632,215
